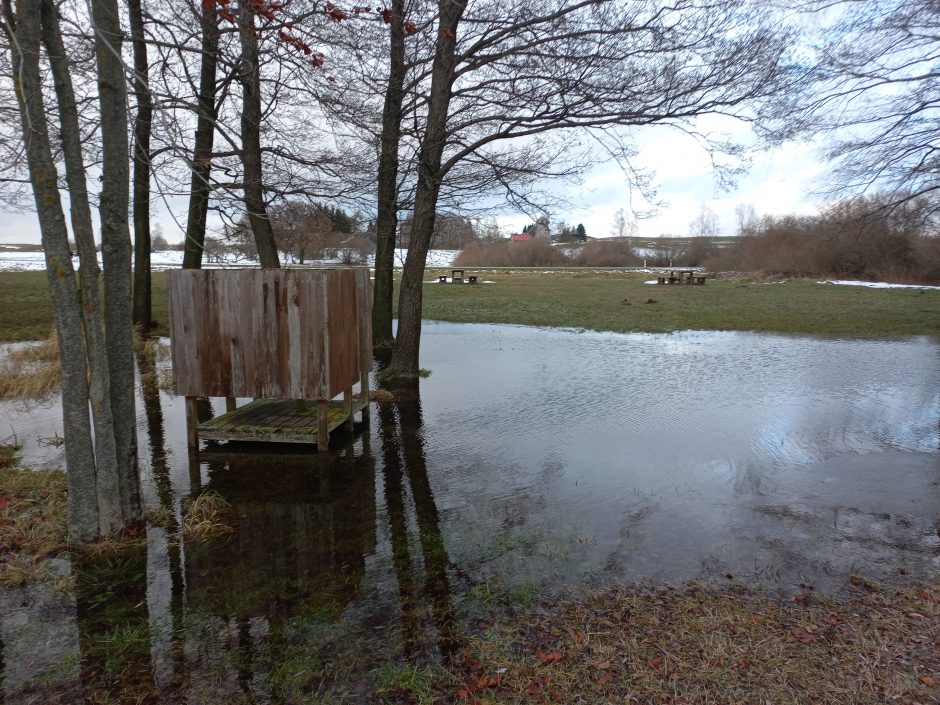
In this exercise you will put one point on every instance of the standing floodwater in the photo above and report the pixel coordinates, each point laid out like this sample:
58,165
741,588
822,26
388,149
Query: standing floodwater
530,461
688,455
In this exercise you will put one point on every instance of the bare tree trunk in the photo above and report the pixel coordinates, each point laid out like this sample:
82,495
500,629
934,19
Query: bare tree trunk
108,483
250,79
116,246
386,223
404,362
24,39
205,134
142,309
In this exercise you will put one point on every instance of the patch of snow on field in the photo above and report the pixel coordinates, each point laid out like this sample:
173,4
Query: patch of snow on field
172,259
876,285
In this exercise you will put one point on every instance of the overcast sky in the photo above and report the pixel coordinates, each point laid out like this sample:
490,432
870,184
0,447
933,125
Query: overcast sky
778,182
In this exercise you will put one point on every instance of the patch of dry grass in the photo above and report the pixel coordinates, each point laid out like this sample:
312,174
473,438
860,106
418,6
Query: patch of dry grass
206,516
33,516
20,571
32,372
152,348
701,644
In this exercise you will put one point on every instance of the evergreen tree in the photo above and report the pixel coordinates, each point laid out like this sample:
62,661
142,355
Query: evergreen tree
340,221
580,232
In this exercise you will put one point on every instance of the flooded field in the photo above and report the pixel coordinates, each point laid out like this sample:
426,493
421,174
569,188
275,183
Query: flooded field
530,462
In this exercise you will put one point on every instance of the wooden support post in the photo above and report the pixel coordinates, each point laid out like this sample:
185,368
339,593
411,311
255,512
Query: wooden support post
192,424
364,308
348,408
229,404
364,392
323,431
195,475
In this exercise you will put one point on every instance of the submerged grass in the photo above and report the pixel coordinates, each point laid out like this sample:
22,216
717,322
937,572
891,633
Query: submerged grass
33,511
31,372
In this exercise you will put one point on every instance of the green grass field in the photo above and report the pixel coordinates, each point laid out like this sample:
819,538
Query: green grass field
605,301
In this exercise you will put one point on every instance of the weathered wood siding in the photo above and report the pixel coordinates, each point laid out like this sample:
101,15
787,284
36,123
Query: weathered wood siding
293,334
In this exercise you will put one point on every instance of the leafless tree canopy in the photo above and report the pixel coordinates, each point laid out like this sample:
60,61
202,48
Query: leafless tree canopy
871,87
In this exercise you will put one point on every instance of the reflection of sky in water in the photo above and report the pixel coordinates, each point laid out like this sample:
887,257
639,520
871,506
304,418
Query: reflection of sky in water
653,449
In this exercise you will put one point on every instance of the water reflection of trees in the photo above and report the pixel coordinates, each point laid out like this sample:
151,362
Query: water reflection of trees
288,585
405,467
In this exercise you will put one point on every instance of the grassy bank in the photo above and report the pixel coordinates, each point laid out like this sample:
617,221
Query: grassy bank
700,644
605,301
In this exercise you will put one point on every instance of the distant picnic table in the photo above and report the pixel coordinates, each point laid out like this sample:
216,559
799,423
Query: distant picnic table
456,277
683,276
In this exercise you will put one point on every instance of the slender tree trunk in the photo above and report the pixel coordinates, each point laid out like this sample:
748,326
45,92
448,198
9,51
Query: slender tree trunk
205,134
143,309
116,246
404,362
386,223
250,78
89,274
24,39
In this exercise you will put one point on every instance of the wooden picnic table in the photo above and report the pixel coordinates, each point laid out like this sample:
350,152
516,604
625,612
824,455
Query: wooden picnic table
682,276
456,277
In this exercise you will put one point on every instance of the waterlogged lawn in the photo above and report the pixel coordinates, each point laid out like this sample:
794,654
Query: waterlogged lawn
603,301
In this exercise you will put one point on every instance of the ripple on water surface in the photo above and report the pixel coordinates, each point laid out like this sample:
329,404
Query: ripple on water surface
539,457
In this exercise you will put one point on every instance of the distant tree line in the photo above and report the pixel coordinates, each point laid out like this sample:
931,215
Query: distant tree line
856,238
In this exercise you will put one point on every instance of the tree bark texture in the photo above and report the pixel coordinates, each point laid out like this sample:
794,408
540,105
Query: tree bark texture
89,275
116,246
201,167
386,223
84,503
250,79
404,362
142,306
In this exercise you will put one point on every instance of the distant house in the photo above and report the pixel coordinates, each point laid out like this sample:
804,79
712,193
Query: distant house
521,237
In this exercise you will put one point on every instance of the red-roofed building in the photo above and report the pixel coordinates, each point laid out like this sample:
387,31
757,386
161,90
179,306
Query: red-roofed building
521,237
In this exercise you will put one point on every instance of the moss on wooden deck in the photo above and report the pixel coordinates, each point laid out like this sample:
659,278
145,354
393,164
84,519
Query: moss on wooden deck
276,420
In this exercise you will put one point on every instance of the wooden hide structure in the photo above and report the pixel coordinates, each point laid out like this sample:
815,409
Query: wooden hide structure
272,335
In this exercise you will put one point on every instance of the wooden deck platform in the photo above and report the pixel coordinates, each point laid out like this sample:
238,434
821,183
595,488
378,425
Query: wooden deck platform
281,421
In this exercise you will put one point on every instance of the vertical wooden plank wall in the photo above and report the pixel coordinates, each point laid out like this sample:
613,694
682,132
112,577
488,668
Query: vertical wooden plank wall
292,334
